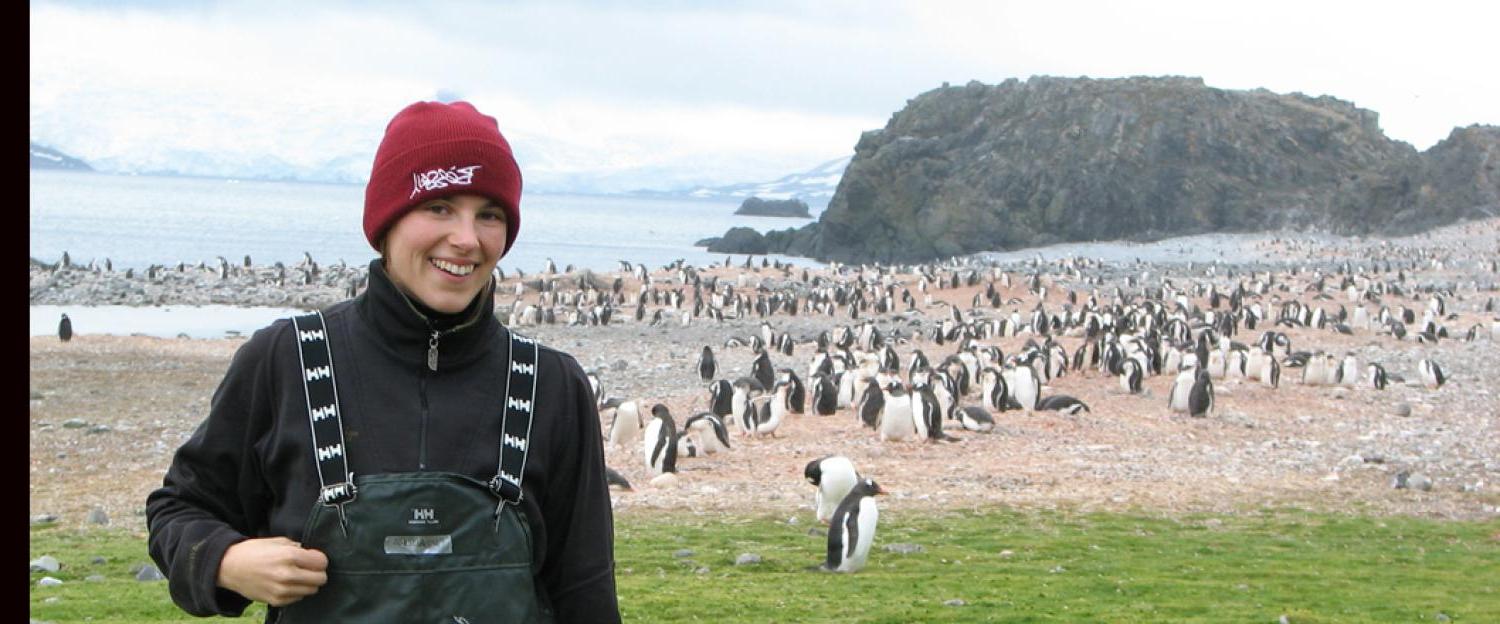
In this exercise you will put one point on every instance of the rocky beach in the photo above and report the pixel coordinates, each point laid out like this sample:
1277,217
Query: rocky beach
106,412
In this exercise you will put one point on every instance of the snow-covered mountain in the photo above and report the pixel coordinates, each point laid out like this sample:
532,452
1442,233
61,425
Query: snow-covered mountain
814,186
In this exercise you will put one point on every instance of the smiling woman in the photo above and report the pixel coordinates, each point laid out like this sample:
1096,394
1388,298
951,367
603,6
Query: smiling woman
347,468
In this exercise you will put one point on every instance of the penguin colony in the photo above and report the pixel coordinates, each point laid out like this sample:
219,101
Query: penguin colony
908,365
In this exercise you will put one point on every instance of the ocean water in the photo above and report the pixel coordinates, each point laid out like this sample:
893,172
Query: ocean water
137,221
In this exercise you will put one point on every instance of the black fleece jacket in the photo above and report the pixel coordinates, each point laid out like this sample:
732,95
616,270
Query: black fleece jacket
248,470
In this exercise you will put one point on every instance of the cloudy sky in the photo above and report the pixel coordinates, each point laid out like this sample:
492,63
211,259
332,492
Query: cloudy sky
609,96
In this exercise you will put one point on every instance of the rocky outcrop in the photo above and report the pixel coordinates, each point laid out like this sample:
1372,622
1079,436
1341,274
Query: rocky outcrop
43,157
1019,164
756,206
738,240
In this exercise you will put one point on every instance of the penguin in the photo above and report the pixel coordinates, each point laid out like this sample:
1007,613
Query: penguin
975,418
612,476
1432,373
871,405
720,398
796,401
992,385
740,409
834,476
1130,375
824,396
1349,370
626,424
1025,389
1182,388
1375,373
1062,403
927,416
1270,372
659,446
762,371
1201,396
710,431
707,368
770,414
65,329
852,528
896,419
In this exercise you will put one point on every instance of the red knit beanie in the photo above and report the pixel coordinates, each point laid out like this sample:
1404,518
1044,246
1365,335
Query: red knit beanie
432,150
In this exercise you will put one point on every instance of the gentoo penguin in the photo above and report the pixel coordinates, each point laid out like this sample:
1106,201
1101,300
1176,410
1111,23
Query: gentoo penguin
927,416
65,329
770,414
1062,403
596,385
1025,388
745,389
762,371
1432,373
1375,373
1270,372
796,398
994,390
1182,388
1349,370
852,528
824,396
710,431
975,418
871,404
1130,375
834,476
720,398
613,477
1201,396
896,419
626,424
707,368
659,446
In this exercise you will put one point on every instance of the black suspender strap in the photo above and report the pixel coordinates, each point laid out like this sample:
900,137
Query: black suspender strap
336,484
515,424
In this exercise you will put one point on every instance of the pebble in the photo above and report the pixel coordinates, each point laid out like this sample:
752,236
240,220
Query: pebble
683,553
43,519
148,572
94,578
702,570
100,429
45,563
956,602
48,581
74,423
904,549
97,516
665,480
1401,409
1006,554
747,559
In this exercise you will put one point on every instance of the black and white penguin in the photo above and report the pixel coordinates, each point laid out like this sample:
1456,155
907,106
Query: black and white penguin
796,398
762,370
871,404
613,477
769,414
712,435
1201,396
1025,388
1270,372
927,416
1375,374
896,419
975,418
721,398
1131,375
707,367
1062,403
745,389
626,424
851,531
834,476
825,400
1182,388
65,329
659,446
994,392
1432,373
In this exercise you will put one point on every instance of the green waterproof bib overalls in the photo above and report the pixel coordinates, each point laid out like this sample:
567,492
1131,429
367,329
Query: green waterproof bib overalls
428,547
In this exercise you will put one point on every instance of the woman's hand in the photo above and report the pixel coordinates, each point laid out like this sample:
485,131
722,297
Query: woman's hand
273,570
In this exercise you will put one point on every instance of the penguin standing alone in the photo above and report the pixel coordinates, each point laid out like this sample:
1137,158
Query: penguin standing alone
852,529
706,365
65,329
1432,373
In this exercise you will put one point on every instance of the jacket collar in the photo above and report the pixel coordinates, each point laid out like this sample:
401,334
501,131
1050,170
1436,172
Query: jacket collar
398,323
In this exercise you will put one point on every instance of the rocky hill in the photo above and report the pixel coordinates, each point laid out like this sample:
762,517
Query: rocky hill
774,208
993,167
43,157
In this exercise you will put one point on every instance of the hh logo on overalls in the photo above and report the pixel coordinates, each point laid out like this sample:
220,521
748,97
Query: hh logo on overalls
423,515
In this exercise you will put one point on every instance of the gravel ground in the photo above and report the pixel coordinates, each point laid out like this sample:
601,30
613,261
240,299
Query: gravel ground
106,412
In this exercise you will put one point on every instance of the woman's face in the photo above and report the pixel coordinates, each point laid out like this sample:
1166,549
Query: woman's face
443,251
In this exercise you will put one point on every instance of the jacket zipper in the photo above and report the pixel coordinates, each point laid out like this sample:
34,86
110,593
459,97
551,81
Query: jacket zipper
422,436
